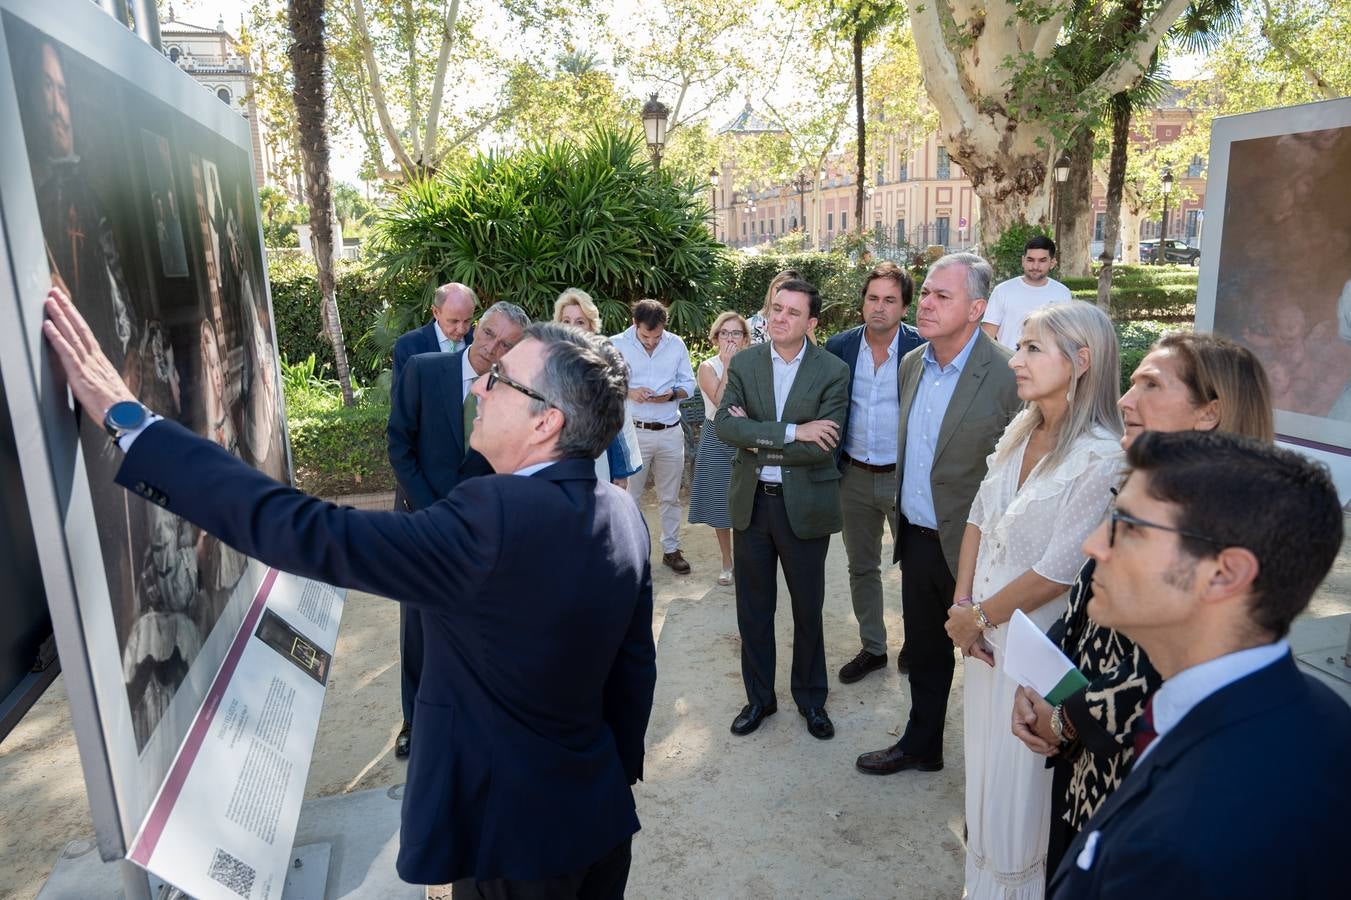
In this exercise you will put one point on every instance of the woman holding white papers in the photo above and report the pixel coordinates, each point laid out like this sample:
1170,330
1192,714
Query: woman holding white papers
1187,382
1047,488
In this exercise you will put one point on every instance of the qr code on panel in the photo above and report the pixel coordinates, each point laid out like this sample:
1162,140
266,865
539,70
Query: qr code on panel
232,873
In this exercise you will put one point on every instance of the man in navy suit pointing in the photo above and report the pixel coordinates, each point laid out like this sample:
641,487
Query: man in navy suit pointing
535,692
1239,787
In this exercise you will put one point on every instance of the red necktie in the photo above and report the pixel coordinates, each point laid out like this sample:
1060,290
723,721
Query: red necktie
1144,729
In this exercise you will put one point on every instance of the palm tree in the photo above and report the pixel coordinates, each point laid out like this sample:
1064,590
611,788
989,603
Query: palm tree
306,21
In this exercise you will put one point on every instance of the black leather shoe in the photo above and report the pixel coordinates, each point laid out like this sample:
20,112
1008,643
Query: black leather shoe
861,665
903,660
750,717
894,759
819,725
403,743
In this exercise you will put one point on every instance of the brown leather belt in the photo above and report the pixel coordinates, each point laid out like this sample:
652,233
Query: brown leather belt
868,467
927,532
769,488
655,426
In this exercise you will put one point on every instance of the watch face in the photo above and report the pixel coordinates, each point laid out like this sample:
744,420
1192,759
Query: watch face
125,415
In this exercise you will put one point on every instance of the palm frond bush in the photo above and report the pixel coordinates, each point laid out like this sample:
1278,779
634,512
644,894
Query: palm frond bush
523,226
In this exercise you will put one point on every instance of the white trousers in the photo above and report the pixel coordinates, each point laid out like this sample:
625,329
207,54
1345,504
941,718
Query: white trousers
663,463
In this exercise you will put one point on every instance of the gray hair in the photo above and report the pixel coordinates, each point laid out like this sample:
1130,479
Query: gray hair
510,310
444,291
979,273
587,380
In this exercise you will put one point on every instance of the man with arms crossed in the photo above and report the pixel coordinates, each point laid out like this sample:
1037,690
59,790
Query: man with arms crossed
784,407
430,409
1012,300
873,352
540,664
957,394
660,377
1239,787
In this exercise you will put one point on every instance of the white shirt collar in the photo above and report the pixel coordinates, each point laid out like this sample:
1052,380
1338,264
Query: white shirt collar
531,470
441,335
467,372
1183,692
788,362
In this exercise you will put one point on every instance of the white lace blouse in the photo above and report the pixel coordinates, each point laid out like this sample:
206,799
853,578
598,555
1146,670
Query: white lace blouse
1042,527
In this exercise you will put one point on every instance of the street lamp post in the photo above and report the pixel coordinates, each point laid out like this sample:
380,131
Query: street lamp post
1062,175
802,182
655,114
1166,184
750,223
713,198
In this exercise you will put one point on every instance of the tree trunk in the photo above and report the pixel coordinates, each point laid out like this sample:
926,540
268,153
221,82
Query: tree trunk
306,19
1076,215
862,180
1130,235
1116,181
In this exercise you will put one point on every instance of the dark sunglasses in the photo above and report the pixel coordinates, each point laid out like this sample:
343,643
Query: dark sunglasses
495,375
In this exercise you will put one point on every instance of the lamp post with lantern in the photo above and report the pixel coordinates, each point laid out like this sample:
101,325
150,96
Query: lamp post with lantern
713,181
1166,185
655,114
1062,175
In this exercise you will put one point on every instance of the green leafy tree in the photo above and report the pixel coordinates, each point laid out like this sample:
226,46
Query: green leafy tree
522,226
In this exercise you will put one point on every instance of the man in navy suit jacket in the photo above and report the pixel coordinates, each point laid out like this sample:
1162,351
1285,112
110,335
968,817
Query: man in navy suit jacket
430,455
1239,787
537,690
449,331
873,353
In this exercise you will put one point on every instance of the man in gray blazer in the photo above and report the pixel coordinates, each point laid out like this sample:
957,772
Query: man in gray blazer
957,394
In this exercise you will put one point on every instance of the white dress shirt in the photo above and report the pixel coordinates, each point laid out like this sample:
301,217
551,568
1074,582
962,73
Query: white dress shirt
785,373
446,344
1183,692
874,406
467,377
665,369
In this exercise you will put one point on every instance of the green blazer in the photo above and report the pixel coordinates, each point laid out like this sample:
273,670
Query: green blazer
811,488
985,399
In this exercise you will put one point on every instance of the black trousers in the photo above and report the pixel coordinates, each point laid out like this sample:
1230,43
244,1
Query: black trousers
1062,832
410,657
604,879
758,550
927,585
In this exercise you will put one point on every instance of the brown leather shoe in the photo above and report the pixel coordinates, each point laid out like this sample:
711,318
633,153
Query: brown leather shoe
893,760
677,562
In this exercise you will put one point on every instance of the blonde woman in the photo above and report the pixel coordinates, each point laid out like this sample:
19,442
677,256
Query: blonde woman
576,308
713,462
1047,487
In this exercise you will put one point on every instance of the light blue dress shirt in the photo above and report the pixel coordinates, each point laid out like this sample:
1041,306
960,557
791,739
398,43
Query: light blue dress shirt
874,406
936,387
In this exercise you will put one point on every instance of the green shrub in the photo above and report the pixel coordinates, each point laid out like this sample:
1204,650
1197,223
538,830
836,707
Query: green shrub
1135,339
523,226
341,450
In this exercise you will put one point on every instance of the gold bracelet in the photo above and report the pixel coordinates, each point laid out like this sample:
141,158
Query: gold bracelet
981,619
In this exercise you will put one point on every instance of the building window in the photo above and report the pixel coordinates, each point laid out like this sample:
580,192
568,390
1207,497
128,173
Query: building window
881,175
783,225
844,221
223,94
762,226
794,221
830,221
1099,226
743,229
1196,167
900,231
1193,225
941,230
944,168
904,173
771,226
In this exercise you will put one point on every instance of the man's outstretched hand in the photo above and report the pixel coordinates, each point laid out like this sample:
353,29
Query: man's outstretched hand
93,380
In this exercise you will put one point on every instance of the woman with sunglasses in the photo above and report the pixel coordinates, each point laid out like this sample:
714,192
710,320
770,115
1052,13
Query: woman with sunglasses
1045,491
1187,382
576,308
713,461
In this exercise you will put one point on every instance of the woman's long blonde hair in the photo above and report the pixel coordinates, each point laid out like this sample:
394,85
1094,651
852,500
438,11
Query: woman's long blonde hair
1092,393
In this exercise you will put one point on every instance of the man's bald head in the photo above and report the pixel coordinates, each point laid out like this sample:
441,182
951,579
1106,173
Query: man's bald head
453,309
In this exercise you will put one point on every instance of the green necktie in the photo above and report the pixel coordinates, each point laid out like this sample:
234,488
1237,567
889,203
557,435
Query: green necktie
470,409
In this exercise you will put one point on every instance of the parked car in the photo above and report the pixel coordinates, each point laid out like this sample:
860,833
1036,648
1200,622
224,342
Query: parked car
1173,251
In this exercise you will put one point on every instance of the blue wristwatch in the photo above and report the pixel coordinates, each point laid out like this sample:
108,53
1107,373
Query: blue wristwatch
124,416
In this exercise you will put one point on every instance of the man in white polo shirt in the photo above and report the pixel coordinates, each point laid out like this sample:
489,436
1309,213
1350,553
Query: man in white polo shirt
1012,300
660,376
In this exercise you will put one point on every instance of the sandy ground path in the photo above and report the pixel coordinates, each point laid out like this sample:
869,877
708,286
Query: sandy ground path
775,814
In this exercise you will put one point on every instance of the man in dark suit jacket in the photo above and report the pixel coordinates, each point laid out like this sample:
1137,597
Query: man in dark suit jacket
873,352
449,331
784,407
957,395
1239,787
430,455
537,690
